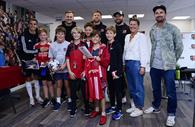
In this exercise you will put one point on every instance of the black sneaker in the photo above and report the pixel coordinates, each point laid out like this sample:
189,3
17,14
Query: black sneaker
69,106
56,106
72,114
87,113
53,101
45,103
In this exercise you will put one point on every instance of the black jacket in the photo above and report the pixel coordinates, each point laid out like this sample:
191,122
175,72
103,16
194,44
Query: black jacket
116,62
25,45
68,36
102,28
121,32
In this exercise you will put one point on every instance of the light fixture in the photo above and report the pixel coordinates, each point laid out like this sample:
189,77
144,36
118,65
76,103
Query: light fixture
138,15
180,17
106,16
78,18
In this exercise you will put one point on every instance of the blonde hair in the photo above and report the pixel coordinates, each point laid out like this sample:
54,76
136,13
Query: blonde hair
111,28
42,30
77,29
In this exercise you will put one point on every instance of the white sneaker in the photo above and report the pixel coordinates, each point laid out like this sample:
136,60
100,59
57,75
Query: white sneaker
136,112
130,110
124,100
39,99
170,121
32,102
152,110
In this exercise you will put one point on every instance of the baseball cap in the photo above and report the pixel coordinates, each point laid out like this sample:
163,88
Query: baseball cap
118,13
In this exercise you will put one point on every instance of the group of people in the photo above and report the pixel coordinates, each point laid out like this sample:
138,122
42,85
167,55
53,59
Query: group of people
117,53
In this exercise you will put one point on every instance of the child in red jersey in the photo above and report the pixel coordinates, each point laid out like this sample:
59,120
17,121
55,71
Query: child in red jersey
95,71
42,58
75,65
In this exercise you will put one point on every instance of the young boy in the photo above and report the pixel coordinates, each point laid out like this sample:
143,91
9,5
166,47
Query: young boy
57,51
95,70
114,74
75,65
42,58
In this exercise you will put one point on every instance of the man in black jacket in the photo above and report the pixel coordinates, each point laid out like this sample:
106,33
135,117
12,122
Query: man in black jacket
122,29
68,24
26,52
98,25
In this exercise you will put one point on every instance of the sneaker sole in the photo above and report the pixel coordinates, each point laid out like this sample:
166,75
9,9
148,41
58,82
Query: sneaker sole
110,112
117,118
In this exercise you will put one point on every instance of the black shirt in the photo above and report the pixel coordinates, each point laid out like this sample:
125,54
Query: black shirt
68,36
25,45
102,29
116,62
121,32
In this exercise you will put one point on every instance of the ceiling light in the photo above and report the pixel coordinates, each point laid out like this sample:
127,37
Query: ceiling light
78,18
138,15
106,16
181,17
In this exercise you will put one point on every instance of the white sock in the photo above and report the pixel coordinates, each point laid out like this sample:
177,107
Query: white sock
103,113
29,89
37,88
132,103
69,99
97,109
58,99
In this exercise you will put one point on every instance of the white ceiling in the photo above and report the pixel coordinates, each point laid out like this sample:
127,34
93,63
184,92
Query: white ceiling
83,8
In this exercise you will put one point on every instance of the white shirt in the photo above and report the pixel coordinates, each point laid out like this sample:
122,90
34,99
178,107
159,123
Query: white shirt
136,49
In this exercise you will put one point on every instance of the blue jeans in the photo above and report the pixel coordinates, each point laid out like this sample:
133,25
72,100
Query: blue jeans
135,82
169,78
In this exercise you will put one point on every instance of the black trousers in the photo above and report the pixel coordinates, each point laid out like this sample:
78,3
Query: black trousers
124,85
115,91
74,85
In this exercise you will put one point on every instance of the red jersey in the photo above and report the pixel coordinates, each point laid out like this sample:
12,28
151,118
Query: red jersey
42,55
75,57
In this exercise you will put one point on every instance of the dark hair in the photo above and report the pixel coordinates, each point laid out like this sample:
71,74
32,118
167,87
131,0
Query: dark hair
160,7
134,18
32,19
97,11
69,11
60,29
96,32
89,24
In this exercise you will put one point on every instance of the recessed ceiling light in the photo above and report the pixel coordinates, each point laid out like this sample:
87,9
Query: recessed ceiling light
78,18
138,15
106,16
180,17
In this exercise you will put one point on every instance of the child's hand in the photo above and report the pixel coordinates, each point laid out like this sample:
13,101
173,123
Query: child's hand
114,76
61,68
83,74
84,57
72,75
97,58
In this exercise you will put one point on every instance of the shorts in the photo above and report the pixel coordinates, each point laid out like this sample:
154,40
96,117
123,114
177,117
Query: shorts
29,72
44,74
61,76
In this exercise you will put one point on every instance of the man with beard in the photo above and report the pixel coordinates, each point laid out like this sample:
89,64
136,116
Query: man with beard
122,29
98,25
68,24
167,47
26,52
